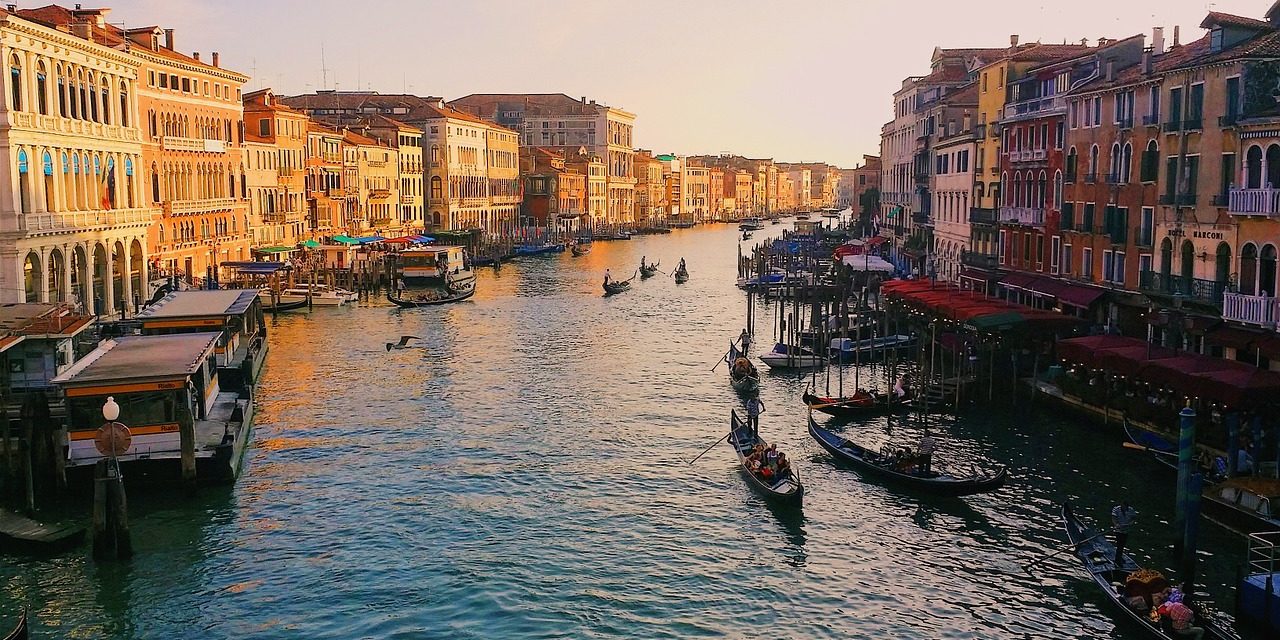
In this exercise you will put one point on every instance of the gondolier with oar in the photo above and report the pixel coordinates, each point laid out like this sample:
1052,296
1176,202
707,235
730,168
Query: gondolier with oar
745,340
1123,516
608,277
755,407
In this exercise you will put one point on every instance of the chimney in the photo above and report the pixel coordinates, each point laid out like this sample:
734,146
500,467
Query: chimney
1111,70
968,123
82,30
1084,42
584,99
12,8
1146,62
215,58
1013,40
1175,35
168,39
195,55
1157,40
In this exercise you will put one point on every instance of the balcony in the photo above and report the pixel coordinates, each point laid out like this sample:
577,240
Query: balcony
85,220
174,143
1254,202
1030,216
1205,291
994,130
379,193
980,130
921,218
1172,126
1228,121
1194,124
1125,123
1256,310
979,260
209,205
1179,200
334,192
1115,178
81,127
980,215
1033,108
1151,120
406,199
1091,178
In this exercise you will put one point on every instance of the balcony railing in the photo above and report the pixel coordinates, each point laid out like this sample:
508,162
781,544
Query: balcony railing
174,143
1034,107
82,220
335,192
181,207
979,260
1259,310
1151,121
1126,123
379,193
1194,124
406,199
1022,215
921,217
983,215
1254,202
1179,200
1207,291
1229,120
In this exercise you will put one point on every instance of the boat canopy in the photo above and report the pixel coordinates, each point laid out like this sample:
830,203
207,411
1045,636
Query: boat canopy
255,268
141,358
186,304
370,239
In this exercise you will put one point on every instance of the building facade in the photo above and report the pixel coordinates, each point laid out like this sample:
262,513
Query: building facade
275,162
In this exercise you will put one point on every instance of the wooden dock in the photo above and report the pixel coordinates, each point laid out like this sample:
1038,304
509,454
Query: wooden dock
22,532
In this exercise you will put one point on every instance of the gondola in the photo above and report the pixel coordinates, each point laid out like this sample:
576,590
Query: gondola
618,286
581,249
20,630
284,306
787,489
1097,555
742,374
746,235
877,464
860,405
682,277
647,271
453,295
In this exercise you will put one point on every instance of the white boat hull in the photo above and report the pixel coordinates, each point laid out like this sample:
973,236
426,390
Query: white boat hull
784,361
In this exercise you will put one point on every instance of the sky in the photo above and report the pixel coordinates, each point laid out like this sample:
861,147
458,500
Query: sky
792,80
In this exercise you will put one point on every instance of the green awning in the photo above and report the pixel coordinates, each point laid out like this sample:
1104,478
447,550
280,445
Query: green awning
310,244
345,240
274,249
997,321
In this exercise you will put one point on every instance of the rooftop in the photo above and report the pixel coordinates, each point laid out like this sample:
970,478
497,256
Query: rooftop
194,304
41,318
136,358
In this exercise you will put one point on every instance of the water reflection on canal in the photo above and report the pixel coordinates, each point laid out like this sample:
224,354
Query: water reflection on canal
523,476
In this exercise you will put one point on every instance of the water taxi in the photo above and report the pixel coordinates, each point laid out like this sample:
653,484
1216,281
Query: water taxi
435,266
237,313
168,389
751,224
321,295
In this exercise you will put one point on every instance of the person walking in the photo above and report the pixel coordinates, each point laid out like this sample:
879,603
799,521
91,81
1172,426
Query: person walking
1123,516
754,408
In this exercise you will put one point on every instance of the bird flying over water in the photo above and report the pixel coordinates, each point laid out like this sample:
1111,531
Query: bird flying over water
403,344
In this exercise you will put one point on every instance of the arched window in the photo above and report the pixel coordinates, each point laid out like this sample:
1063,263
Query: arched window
1267,271
84,96
106,103
1126,163
1057,191
1222,264
62,92
437,189
1253,167
1188,261
24,181
1150,161
1248,266
1042,190
124,105
128,182
15,83
87,95
1166,258
1093,161
1114,176
42,89
1273,167
46,166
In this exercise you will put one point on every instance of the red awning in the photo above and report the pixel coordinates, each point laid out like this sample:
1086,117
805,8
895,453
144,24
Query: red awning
1017,280
1268,346
877,241
974,274
1179,373
1083,350
1127,361
1234,337
1079,296
1240,386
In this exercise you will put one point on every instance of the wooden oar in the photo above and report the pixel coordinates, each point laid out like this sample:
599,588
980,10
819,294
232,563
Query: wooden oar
1134,445
713,445
1069,547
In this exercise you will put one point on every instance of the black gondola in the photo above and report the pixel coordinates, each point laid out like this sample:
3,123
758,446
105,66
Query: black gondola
859,405
451,296
787,488
284,306
618,286
20,630
580,249
883,466
647,271
1098,557
682,274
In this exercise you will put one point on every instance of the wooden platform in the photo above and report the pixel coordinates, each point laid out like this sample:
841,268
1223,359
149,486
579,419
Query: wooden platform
23,532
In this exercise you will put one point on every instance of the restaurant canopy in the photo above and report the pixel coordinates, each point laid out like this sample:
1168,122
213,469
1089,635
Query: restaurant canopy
977,311
345,240
868,263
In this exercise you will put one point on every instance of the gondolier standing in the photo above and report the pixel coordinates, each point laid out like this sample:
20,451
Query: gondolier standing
926,449
745,340
1123,516
607,276
754,408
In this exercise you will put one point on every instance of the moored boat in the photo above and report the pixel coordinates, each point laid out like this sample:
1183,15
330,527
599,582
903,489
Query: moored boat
432,298
848,350
862,404
268,307
908,471
534,249
791,357
320,295
786,488
435,266
1097,555
581,249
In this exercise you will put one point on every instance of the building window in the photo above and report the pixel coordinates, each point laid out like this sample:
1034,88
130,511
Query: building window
264,127
42,91
124,105
1086,262
1066,259
15,84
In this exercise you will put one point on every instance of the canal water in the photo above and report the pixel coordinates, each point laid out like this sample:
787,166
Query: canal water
523,475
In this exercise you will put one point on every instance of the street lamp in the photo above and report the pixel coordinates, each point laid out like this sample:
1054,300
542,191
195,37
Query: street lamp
112,439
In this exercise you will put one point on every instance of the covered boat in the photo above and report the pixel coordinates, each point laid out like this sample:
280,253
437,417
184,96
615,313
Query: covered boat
905,470
791,357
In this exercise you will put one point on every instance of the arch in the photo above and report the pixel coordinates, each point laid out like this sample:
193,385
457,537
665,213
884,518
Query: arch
79,272
137,271
1041,190
1222,263
15,82
31,273
57,272
62,89
119,267
124,105
46,167
42,88
1057,190
1273,166
1267,271
1093,161
1253,167
1126,163
1249,266
99,277
24,181
88,96
1114,161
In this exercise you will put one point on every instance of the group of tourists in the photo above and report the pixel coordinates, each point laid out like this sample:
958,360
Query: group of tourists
917,463
768,463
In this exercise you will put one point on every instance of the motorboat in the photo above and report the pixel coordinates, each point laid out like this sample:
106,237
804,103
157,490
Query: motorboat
320,295
792,357
751,224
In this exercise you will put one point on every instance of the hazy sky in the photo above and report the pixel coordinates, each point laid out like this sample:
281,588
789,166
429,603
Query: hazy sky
792,80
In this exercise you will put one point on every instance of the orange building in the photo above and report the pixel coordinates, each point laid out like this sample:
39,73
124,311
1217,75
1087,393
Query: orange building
275,150
192,154
326,199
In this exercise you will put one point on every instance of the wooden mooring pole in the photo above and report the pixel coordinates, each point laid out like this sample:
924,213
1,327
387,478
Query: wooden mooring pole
111,538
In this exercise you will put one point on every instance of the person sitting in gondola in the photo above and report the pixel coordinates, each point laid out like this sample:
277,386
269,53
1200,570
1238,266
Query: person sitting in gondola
741,367
784,467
